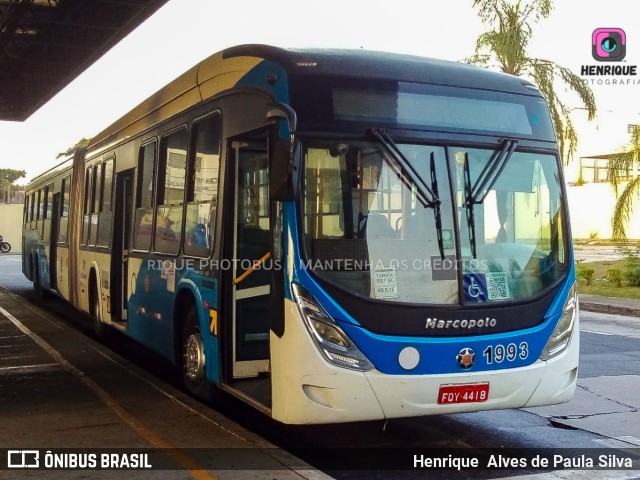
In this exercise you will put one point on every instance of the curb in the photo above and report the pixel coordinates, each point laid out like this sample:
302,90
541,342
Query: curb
599,307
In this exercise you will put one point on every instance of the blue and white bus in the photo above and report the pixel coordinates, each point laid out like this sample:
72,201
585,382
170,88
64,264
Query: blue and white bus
328,235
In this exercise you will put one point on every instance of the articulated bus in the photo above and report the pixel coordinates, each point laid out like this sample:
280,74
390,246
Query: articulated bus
328,235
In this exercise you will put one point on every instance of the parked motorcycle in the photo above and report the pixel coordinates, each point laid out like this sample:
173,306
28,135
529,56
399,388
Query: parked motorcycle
5,247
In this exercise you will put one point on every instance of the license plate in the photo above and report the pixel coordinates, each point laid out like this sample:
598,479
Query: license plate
467,393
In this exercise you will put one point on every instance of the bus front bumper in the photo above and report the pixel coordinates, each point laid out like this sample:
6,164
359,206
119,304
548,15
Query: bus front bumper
306,389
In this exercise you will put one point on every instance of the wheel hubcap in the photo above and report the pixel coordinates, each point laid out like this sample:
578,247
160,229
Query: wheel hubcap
194,357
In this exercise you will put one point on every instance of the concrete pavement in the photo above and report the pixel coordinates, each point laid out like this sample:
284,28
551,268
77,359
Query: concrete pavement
607,397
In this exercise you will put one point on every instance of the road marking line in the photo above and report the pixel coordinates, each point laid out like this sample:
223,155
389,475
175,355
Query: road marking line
40,367
599,333
629,439
195,470
256,443
53,321
578,475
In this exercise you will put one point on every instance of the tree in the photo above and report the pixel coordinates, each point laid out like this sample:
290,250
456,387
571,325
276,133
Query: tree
7,177
617,170
83,142
10,175
505,47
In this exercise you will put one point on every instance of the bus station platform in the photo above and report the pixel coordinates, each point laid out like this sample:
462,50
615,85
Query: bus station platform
64,397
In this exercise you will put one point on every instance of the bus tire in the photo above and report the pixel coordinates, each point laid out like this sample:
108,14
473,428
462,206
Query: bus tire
94,310
193,358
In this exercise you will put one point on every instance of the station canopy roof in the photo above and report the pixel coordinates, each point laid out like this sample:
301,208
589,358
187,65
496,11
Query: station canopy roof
45,44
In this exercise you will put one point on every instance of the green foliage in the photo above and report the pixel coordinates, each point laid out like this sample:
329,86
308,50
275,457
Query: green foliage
617,169
505,47
615,276
7,177
10,175
83,142
585,273
633,276
631,264
602,287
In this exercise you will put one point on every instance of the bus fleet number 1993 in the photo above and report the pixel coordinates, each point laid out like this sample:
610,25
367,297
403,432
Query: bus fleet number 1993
500,353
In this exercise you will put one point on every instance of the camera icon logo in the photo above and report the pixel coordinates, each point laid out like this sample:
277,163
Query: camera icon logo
608,44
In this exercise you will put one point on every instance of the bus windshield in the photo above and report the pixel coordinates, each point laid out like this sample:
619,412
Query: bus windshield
369,230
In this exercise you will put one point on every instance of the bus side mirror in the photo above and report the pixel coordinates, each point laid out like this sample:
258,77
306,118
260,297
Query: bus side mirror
283,169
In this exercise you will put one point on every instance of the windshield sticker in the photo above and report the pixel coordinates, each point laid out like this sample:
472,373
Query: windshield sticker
475,287
386,282
443,268
447,238
497,286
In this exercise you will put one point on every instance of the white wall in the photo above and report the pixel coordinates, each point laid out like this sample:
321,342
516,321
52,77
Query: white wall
591,208
11,225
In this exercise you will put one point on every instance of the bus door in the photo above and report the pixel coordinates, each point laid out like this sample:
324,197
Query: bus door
120,242
250,254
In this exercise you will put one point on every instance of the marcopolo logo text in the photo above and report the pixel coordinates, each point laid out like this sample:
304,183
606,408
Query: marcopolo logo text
464,323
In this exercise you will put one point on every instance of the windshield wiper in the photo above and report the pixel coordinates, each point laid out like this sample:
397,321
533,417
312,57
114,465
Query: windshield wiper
468,202
436,207
426,195
476,193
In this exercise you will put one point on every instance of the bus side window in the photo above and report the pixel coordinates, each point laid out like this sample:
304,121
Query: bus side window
64,211
26,211
88,187
143,226
96,192
202,194
104,208
32,210
171,178
39,207
46,213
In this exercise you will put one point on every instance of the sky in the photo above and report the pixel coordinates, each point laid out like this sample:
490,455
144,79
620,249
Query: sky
183,32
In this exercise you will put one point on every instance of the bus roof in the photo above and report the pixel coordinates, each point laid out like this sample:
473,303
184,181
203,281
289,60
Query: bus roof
383,65
50,174
224,69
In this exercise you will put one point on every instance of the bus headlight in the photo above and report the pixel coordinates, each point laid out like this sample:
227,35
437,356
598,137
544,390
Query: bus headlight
562,333
330,339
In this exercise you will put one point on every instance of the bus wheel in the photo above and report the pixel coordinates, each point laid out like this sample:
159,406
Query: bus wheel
194,358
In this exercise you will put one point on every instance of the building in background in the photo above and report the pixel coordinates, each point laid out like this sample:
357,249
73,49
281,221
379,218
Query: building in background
592,197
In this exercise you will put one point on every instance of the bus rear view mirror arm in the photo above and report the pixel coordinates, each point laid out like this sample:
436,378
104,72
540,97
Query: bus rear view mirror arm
282,170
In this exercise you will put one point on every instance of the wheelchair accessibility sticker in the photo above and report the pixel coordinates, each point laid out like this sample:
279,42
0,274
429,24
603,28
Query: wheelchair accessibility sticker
475,287
481,287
